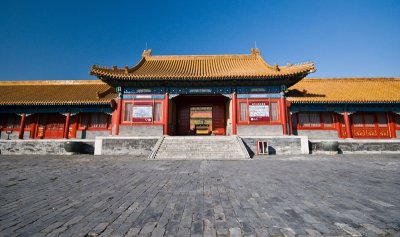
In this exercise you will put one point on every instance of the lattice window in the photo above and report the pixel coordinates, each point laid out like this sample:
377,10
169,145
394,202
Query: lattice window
358,120
274,111
397,118
10,121
243,111
327,119
157,111
382,120
315,119
95,120
369,120
128,112
98,120
304,119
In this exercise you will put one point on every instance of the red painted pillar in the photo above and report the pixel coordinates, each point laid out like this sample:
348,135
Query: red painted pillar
118,118
166,115
113,116
290,123
234,113
283,113
66,128
112,122
22,127
289,118
347,125
338,125
392,125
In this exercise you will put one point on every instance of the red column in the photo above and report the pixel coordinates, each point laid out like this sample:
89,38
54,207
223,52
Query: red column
283,113
165,115
392,125
112,122
290,123
22,126
234,113
118,119
347,125
338,124
289,117
66,128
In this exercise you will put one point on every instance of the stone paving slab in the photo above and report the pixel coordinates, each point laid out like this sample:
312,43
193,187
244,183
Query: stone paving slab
343,195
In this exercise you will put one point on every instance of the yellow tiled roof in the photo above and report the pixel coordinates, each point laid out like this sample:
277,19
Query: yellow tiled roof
204,67
55,92
346,90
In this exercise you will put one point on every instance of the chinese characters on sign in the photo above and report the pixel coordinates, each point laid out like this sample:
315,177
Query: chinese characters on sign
259,111
142,113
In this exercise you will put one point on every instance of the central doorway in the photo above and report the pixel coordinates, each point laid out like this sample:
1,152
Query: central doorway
201,115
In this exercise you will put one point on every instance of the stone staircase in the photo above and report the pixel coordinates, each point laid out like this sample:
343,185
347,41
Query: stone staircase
200,147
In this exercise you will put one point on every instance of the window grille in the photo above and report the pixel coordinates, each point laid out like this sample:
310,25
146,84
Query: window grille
262,148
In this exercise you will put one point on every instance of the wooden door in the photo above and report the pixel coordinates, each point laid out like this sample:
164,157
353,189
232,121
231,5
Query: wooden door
218,119
342,126
183,120
51,126
370,125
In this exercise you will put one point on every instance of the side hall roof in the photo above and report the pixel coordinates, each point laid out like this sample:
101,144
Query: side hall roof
96,92
202,67
345,90
67,92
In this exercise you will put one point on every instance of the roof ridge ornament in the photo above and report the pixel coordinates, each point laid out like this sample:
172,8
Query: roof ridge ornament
146,53
255,52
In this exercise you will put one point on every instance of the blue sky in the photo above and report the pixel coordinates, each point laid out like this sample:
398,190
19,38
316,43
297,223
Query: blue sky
45,40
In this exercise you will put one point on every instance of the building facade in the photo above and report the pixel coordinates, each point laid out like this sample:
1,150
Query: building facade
201,95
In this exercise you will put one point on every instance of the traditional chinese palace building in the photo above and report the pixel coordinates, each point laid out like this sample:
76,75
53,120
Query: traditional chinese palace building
201,95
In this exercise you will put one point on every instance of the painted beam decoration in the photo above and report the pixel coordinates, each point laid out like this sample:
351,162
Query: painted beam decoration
260,89
141,90
140,96
200,90
266,95
259,111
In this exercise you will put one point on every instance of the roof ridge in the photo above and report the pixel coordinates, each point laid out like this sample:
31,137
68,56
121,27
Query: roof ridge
351,78
205,56
51,82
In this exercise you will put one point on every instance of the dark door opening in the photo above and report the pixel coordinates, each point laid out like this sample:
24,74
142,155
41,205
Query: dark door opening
201,115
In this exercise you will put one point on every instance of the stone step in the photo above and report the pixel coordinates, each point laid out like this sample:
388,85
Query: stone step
199,148
165,156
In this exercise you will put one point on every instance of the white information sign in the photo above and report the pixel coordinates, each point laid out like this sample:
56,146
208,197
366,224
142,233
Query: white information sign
142,112
259,112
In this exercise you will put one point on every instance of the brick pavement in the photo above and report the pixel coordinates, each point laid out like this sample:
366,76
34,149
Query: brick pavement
346,195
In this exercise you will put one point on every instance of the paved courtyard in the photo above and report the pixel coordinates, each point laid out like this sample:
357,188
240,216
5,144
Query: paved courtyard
280,196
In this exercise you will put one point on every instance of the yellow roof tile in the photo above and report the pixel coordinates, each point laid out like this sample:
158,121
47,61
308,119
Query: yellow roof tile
202,67
345,90
69,92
